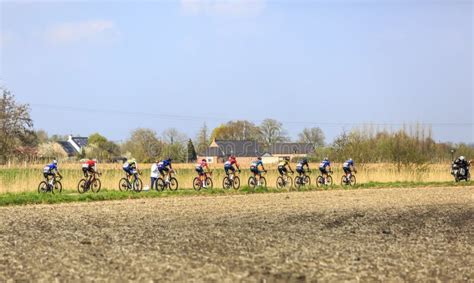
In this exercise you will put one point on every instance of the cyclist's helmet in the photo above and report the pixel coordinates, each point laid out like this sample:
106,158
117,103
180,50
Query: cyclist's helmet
305,160
461,158
350,160
169,159
259,158
232,157
287,158
326,159
132,161
55,161
204,160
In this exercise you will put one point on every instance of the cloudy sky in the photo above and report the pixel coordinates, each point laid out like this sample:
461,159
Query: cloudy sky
112,66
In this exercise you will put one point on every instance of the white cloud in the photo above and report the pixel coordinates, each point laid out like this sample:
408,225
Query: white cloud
91,30
223,7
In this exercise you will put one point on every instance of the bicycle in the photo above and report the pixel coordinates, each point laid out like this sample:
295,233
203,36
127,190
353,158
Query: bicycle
302,180
53,185
94,184
198,184
231,181
321,182
351,181
171,182
284,181
136,185
262,182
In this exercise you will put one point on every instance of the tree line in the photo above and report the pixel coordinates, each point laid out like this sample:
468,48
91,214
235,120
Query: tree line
409,146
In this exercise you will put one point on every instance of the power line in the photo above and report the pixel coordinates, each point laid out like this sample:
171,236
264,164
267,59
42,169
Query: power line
180,117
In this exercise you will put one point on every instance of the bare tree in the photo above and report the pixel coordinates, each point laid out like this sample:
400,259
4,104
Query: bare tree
271,131
314,136
202,139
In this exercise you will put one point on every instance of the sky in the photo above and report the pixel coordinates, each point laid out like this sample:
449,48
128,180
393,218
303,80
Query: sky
113,66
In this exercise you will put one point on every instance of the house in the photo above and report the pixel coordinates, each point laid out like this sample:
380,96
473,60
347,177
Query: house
74,145
246,151
219,151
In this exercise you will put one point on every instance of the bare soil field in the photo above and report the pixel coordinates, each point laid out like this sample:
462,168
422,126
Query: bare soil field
422,234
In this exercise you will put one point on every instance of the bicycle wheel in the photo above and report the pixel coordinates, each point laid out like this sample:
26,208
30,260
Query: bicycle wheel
42,187
138,185
307,180
252,182
124,185
280,184
298,182
58,187
173,184
226,183
160,184
96,186
319,181
81,186
329,181
263,182
209,183
197,184
236,183
353,180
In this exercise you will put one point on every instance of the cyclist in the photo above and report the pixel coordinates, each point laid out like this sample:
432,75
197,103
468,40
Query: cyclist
461,162
301,165
200,170
164,167
229,165
50,171
348,168
89,168
131,168
255,168
325,168
284,166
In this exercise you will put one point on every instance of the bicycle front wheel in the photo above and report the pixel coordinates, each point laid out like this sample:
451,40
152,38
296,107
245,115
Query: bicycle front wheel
353,180
58,187
263,182
236,183
209,183
173,184
138,185
96,186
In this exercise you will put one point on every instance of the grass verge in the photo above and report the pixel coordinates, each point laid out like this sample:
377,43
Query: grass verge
8,199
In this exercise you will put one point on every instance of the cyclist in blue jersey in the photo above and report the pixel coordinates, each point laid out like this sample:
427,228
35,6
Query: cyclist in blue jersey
255,168
50,171
348,168
164,167
325,168
130,167
300,166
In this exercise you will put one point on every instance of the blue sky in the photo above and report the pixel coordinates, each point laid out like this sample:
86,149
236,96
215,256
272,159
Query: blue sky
112,66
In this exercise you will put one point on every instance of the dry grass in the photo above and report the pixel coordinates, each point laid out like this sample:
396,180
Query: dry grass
24,178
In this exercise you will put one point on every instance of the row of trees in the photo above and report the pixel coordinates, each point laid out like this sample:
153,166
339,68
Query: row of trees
405,147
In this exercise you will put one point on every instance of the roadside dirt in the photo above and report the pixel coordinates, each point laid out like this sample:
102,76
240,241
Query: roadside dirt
366,235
